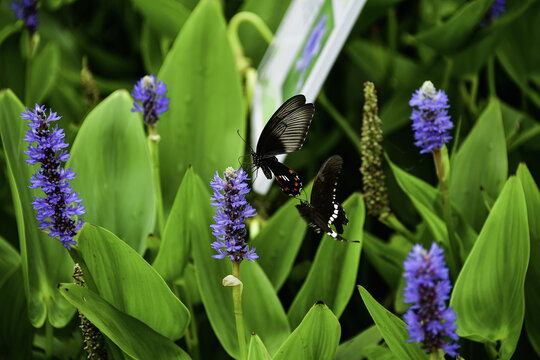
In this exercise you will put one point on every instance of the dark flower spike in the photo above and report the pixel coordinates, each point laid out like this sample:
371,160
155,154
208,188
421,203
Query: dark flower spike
61,203
150,99
429,321
375,194
231,211
27,11
431,121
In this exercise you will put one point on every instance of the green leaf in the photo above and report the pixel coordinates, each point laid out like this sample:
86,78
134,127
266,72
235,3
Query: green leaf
151,48
488,308
174,250
480,165
16,332
317,336
456,31
124,279
45,262
257,350
284,230
206,107
263,312
332,276
355,347
132,336
392,328
166,16
532,290
386,258
43,73
118,194
426,200
10,260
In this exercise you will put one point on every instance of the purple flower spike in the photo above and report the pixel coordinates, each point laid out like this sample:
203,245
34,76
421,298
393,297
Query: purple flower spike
497,9
56,209
431,121
26,10
429,321
231,211
150,98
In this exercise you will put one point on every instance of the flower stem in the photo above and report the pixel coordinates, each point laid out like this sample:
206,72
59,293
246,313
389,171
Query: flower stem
241,61
436,355
237,299
442,175
491,76
153,140
341,121
49,340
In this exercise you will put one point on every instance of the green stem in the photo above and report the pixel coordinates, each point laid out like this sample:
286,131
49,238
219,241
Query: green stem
32,41
234,24
237,299
341,121
192,339
436,355
453,259
153,142
436,12
491,76
49,339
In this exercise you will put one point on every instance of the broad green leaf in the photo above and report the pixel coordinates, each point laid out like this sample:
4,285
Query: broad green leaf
355,347
487,307
284,230
132,336
392,328
124,279
480,165
332,276
426,200
206,107
512,53
10,260
457,30
174,250
386,258
520,129
257,350
45,262
532,290
16,332
317,336
379,352
166,16
43,72
119,193
263,312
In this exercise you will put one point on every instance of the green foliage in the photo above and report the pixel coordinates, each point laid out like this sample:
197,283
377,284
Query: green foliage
487,308
158,293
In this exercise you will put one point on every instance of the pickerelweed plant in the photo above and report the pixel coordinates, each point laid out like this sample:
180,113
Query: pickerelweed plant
56,211
26,10
150,99
431,126
232,210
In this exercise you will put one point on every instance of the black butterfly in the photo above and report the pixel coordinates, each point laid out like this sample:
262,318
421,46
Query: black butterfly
323,210
284,133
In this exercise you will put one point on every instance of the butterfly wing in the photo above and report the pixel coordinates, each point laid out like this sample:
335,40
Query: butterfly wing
323,195
288,180
317,221
286,130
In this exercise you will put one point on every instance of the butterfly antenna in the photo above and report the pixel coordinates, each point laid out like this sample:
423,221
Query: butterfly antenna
244,140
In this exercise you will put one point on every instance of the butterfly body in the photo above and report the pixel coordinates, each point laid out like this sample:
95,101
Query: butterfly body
323,210
284,133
